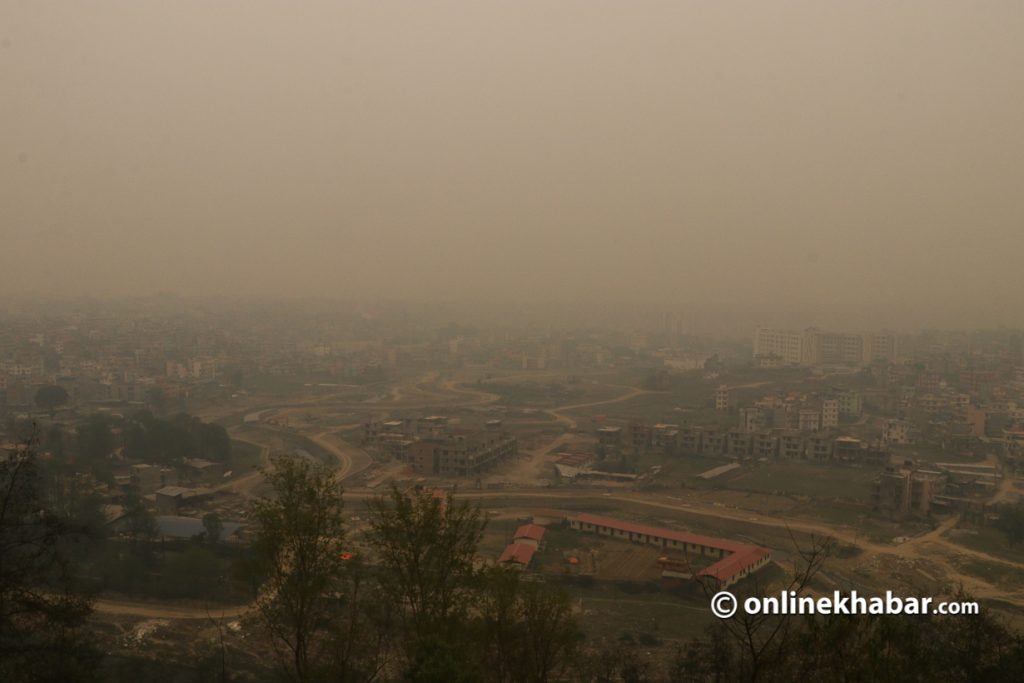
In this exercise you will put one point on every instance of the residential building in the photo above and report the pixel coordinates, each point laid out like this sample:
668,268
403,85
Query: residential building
829,413
810,420
816,347
723,398
790,346
461,453
908,491
896,432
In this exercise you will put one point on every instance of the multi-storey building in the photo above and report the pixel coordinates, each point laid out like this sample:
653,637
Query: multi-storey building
829,413
766,445
723,398
908,491
880,346
818,447
791,445
665,436
753,419
849,403
739,443
810,420
788,345
896,432
816,347
712,442
461,453
690,439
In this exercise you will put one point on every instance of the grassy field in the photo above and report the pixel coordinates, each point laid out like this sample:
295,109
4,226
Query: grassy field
990,541
1005,576
547,392
929,453
655,407
679,468
821,482
244,456
611,612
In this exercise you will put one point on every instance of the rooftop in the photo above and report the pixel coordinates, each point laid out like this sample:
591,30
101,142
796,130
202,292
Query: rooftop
534,532
186,527
741,555
518,553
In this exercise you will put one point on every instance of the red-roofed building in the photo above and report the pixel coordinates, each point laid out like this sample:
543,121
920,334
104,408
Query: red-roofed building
737,566
517,554
735,560
529,533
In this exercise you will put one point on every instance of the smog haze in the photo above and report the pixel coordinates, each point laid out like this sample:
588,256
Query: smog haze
786,154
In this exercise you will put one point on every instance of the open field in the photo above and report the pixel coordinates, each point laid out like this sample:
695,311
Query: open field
987,540
818,481
926,453
245,456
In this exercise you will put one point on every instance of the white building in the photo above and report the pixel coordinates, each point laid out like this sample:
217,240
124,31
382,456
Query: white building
723,399
896,432
788,345
817,347
810,420
829,413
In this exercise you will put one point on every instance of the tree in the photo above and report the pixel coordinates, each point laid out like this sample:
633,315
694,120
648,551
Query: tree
156,399
527,627
761,642
919,648
171,440
426,547
95,439
53,441
213,527
50,397
852,648
300,540
140,526
41,607
1011,522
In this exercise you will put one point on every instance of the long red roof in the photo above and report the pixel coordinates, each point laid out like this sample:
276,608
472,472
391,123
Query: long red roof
730,566
670,534
534,532
521,553
740,557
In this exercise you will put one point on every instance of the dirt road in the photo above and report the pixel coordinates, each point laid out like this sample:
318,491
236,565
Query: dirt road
351,460
163,611
559,412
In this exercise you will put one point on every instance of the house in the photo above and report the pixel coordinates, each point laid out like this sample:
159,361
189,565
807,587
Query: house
530,534
206,468
175,527
518,555
169,499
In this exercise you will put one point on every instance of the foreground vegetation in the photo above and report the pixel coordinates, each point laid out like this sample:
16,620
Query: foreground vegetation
418,605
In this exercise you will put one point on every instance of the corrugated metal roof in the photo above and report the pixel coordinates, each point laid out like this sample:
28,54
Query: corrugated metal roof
741,556
534,532
520,553
728,567
670,534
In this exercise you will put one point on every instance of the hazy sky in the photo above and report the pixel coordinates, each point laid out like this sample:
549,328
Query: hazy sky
805,152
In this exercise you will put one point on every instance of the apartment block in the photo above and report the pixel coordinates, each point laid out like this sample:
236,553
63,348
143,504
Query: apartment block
461,453
723,398
816,347
829,413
